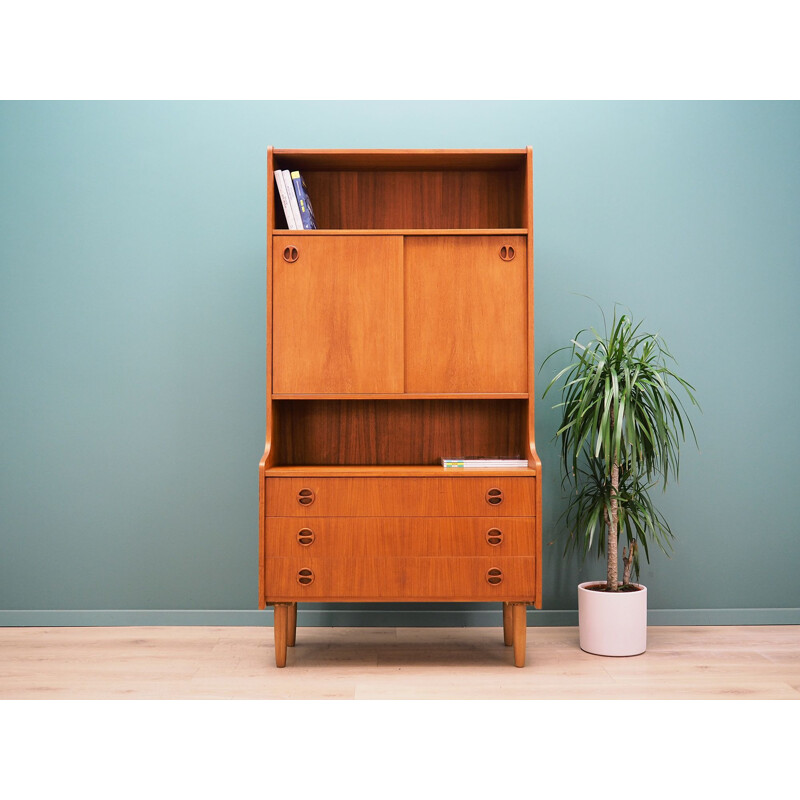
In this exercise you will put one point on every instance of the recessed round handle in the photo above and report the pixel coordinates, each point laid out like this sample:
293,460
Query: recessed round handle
494,576
494,536
305,577
305,497
507,252
290,254
494,497
305,537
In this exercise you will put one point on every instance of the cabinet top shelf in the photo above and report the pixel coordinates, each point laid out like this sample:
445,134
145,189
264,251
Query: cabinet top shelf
508,159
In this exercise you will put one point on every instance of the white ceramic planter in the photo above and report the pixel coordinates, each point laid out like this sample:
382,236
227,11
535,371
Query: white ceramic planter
612,623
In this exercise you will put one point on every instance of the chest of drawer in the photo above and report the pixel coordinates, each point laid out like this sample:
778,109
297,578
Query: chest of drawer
389,537
401,497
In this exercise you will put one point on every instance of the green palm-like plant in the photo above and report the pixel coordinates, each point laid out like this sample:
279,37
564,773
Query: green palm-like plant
620,435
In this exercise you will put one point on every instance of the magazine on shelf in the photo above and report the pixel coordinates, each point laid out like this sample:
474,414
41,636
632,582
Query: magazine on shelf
484,463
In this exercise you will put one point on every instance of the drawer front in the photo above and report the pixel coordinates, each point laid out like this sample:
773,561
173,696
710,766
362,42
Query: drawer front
392,537
401,497
398,579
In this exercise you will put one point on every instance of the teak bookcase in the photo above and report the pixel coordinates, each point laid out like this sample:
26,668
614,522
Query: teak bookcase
398,333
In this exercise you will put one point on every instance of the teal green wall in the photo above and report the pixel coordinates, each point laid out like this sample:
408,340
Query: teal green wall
132,249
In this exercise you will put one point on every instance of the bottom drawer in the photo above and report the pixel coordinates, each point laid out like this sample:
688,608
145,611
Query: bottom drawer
400,579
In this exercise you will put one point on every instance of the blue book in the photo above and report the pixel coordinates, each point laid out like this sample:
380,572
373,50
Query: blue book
306,212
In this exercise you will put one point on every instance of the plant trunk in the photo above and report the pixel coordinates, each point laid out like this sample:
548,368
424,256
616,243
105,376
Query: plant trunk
613,519
628,560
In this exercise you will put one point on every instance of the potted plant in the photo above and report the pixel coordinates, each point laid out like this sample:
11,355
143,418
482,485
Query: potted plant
620,433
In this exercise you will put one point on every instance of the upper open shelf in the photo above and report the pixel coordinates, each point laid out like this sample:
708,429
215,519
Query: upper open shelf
388,159
410,191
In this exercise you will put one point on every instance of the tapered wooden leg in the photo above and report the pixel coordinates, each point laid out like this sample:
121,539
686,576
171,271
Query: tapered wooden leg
280,626
519,624
291,625
507,637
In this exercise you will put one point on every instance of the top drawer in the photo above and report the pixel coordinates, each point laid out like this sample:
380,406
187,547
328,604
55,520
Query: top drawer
401,497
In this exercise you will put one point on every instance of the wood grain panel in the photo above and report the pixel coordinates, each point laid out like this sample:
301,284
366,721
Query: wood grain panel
394,432
378,199
338,315
397,579
531,454
400,497
466,314
391,537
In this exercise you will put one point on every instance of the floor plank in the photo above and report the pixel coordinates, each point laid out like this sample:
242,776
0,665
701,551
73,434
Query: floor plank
703,662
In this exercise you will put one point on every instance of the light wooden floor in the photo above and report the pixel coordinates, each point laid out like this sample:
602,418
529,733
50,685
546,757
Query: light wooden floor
761,662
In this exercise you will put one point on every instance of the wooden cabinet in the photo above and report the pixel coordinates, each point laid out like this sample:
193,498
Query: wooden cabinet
400,333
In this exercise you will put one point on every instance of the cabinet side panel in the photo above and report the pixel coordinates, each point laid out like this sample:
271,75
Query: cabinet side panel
269,452
533,456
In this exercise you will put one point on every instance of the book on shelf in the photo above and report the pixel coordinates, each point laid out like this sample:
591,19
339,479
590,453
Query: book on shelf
484,463
285,202
298,220
306,211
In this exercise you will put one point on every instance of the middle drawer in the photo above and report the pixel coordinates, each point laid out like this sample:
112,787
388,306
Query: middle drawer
357,537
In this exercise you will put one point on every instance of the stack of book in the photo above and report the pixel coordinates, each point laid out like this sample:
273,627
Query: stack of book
484,463
294,198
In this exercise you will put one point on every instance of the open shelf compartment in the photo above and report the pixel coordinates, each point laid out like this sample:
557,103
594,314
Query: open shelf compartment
397,433
400,190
